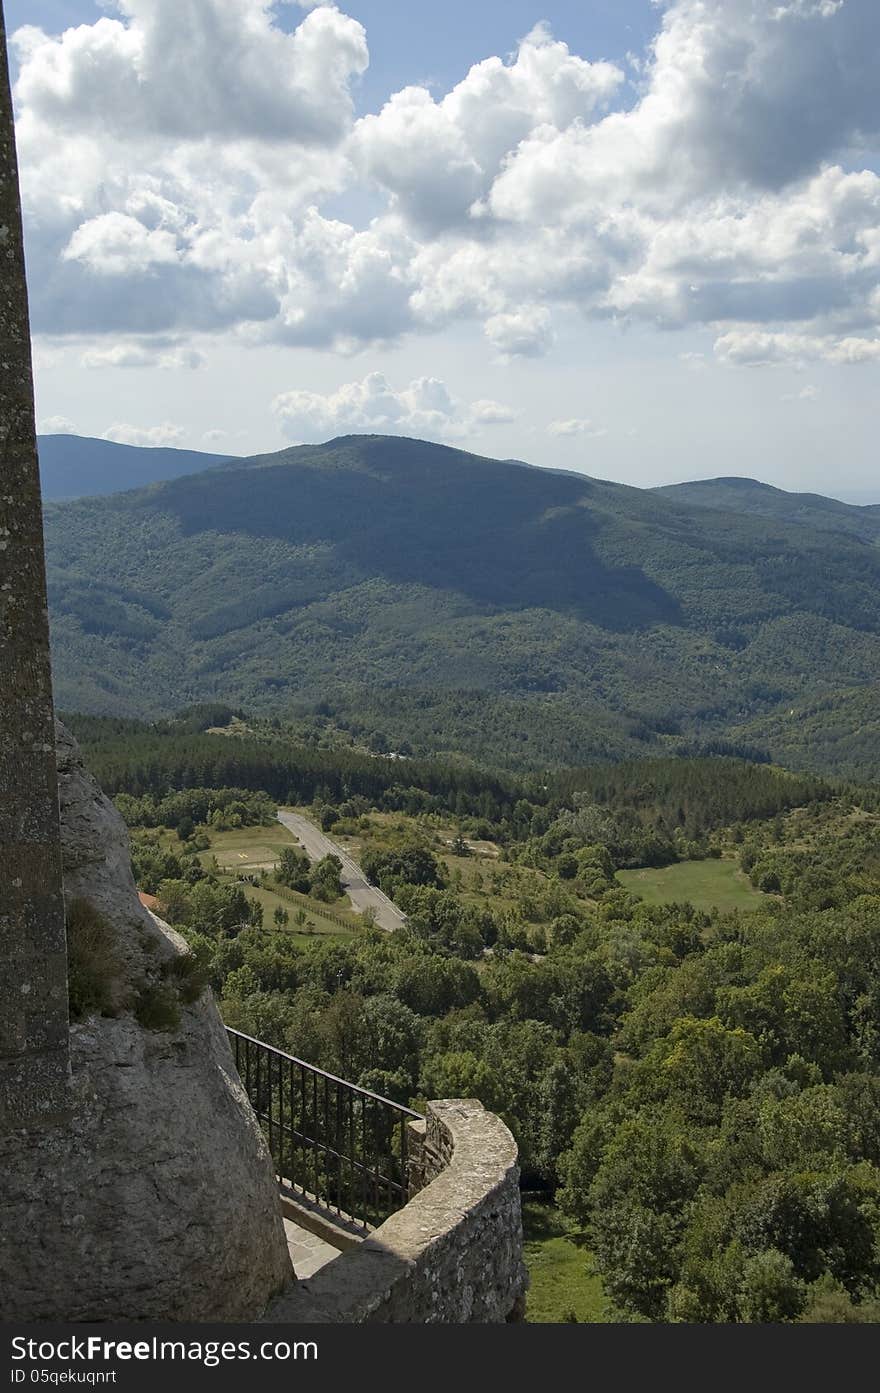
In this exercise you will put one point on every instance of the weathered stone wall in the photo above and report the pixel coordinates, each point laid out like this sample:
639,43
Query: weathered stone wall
453,1255
33,986
157,1198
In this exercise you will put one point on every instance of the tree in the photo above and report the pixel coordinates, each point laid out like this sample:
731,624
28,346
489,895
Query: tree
174,899
432,986
293,869
559,1115
699,1064
325,881
648,1174
567,866
460,1074
770,1290
411,863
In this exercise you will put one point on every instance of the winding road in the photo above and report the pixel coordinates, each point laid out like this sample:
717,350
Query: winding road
355,884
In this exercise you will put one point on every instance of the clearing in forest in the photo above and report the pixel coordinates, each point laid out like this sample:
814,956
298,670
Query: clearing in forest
704,884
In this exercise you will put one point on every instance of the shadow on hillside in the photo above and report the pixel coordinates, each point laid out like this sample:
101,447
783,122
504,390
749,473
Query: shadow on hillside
506,538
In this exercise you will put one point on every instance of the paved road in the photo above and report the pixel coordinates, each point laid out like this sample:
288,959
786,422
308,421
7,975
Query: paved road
354,883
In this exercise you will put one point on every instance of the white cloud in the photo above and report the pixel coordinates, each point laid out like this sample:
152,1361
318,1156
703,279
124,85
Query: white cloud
136,355
808,393
344,288
694,362
191,69
824,9
754,348
425,407
115,245
491,413
56,425
189,358
711,199
729,102
165,434
525,333
439,158
177,159
167,156
121,355
577,425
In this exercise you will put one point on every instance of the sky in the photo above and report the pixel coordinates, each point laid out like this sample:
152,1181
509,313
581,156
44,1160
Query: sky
640,240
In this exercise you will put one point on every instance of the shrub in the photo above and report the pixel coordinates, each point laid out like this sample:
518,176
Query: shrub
183,978
157,1006
95,973
188,974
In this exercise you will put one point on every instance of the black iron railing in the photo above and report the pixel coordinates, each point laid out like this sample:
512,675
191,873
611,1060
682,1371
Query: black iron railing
340,1146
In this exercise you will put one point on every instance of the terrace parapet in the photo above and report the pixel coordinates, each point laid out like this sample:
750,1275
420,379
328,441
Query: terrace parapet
451,1255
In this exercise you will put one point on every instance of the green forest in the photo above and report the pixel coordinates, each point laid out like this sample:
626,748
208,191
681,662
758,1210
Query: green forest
414,598
694,1089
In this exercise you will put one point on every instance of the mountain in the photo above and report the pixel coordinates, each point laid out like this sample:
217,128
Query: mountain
412,592
72,466
762,500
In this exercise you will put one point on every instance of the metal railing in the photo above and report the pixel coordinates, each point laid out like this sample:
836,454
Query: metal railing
338,1145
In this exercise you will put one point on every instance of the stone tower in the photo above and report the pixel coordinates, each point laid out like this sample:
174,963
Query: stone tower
33,989
135,1182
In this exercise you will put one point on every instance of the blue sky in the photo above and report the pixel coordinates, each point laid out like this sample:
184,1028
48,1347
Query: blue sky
631,241
433,42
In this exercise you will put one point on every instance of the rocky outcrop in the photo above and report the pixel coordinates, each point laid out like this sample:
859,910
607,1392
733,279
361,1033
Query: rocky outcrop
157,1199
97,868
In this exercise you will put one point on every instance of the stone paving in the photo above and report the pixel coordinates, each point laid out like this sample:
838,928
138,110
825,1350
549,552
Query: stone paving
308,1252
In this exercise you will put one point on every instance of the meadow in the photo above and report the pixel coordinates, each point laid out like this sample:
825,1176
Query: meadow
709,884
562,1286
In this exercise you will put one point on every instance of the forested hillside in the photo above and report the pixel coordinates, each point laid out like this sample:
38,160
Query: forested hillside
762,500
414,593
73,466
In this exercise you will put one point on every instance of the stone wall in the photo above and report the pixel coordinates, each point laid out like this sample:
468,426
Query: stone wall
453,1255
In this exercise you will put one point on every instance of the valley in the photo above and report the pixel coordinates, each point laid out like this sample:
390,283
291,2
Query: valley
440,712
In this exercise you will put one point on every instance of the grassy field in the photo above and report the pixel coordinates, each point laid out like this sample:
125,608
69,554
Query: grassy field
248,848
324,926
706,884
562,1287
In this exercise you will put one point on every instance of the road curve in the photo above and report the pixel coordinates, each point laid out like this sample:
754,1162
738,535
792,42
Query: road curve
355,884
